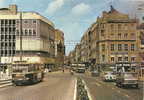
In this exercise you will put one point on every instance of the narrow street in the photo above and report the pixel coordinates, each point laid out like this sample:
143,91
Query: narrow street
56,86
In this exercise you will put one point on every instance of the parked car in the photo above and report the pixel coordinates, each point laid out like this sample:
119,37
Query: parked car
109,76
80,70
95,73
127,79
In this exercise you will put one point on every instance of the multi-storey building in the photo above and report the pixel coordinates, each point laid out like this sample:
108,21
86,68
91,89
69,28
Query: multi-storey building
38,36
59,47
112,39
117,38
141,51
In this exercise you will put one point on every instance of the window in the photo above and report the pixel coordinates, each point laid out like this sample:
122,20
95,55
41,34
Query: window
126,47
34,21
2,44
10,22
13,44
125,35
6,44
126,59
132,35
125,27
18,21
119,26
34,32
112,59
10,44
10,52
25,21
133,59
119,47
14,21
119,35
17,32
103,47
2,22
10,29
102,33
132,47
112,47
13,36
6,29
103,57
5,52
14,29
119,59
26,31
112,27
6,22
6,37
30,32
2,29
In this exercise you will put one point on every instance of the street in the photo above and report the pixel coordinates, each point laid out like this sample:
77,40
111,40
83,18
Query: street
61,86
100,90
55,86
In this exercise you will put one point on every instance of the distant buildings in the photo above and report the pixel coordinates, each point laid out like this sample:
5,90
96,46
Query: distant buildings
59,48
38,36
112,39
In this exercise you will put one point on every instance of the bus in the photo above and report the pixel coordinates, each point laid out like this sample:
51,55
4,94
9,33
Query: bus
25,73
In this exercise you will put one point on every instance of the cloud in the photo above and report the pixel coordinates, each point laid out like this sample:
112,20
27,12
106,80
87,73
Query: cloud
81,9
54,6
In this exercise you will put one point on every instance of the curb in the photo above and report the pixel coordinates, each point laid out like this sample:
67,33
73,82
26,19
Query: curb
75,91
5,83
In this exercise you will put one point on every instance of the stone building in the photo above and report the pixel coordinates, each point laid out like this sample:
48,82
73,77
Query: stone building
38,36
59,47
117,38
112,39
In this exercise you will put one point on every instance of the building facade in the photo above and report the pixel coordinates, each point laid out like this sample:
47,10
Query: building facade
38,36
112,39
59,47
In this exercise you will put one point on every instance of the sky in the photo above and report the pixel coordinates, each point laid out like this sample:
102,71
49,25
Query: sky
74,17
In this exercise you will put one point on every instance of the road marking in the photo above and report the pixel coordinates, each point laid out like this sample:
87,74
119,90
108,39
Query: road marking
88,91
98,84
75,90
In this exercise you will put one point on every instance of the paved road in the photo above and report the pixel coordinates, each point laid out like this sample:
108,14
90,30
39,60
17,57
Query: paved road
59,86
55,86
100,90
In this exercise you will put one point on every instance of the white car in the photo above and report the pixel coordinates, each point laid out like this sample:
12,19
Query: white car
109,76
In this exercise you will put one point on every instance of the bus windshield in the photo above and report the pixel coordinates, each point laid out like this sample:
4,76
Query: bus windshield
20,68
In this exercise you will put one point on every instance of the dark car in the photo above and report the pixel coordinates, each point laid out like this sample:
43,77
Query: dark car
127,79
95,73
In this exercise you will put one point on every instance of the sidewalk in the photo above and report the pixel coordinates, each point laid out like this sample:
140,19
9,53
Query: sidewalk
4,76
5,80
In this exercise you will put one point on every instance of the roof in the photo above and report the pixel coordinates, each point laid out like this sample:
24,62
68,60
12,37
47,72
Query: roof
26,15
114,16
